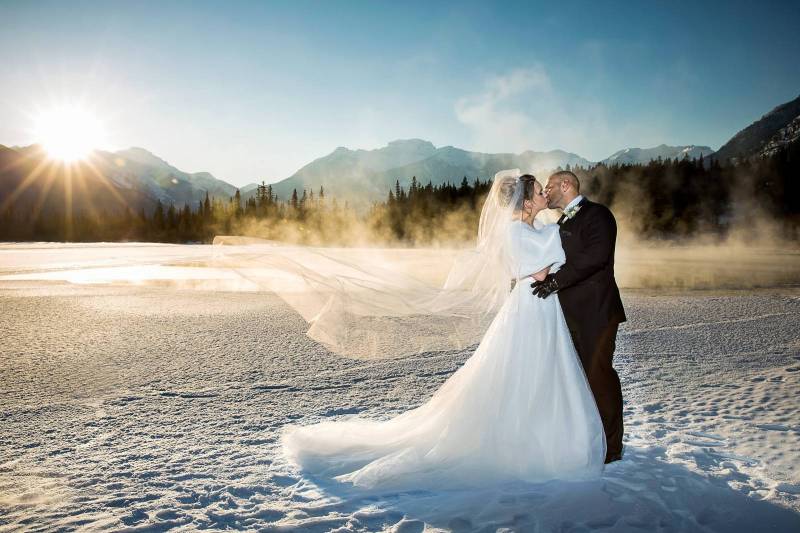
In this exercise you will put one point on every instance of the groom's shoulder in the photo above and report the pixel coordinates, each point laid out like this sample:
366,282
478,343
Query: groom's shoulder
597,209
591,206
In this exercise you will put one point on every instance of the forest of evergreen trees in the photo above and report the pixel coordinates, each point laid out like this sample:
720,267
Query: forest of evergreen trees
667,199
682,199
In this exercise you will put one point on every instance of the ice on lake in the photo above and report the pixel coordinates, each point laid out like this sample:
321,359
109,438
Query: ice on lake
143,389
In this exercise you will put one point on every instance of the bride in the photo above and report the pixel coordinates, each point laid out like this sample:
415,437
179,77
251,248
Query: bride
519,409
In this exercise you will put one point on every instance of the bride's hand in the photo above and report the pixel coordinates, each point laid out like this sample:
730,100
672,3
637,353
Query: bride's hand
539,276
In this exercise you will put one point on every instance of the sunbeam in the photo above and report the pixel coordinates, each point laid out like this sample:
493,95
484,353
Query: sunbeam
105,182
27,182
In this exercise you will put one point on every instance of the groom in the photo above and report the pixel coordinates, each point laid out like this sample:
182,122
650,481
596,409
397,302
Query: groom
589,295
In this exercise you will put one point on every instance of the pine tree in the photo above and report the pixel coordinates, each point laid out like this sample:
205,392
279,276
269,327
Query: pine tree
207,208
172,221
158,215
237,203
269,202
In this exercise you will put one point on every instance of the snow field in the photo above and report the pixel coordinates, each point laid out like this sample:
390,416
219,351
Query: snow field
150,408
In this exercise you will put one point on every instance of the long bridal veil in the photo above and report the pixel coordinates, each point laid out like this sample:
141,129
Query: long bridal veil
519,408
366,304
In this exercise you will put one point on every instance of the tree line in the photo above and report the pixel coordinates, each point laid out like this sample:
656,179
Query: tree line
676,199
664,199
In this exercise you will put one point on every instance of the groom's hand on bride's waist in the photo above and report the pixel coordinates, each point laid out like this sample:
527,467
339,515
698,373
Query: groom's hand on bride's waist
546,287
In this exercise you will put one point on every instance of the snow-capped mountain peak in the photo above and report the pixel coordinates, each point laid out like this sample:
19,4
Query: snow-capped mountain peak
640,156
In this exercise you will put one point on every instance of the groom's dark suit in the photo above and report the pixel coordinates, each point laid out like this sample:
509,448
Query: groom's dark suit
593,308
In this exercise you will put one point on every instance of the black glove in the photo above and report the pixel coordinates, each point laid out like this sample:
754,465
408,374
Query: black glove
546,287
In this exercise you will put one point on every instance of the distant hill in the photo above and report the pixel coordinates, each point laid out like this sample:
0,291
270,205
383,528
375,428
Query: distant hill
247,188
642,156
139,169
135,178
110,181
780,127
369,174
29,182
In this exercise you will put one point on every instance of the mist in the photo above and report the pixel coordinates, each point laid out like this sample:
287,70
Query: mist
681,224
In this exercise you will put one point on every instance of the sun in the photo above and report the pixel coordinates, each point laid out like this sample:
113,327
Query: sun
69,133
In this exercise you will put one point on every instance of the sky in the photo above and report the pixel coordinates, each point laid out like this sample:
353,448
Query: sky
253,91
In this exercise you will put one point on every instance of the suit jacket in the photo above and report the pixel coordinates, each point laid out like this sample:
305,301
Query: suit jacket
587,290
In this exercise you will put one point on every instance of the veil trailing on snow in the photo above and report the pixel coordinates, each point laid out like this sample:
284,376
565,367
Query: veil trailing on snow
363,304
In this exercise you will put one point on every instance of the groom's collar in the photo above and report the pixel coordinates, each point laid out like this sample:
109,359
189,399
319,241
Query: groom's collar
572,208
575,201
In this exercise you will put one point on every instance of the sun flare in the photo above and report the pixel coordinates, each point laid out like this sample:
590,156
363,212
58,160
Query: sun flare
69,133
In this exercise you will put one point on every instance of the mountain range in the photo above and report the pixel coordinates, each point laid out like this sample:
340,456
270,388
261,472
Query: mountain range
369,174
110,181
135,178
780,127
634,156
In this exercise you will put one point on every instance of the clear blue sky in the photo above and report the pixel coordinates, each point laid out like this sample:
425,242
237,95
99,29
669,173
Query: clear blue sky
254,90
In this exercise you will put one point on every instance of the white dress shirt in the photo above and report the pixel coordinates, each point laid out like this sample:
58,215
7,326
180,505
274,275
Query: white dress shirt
575,201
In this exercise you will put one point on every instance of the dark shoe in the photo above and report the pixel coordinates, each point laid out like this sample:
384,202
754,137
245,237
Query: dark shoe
610,458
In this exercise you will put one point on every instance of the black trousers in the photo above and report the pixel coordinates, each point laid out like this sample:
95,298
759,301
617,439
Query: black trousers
596,351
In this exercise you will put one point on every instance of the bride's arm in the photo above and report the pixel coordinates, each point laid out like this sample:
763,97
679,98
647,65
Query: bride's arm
539,276
535,253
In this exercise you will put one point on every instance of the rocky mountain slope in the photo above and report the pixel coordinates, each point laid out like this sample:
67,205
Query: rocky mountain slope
777,128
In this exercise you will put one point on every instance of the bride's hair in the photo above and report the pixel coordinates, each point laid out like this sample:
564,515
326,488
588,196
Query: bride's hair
528,183
505,191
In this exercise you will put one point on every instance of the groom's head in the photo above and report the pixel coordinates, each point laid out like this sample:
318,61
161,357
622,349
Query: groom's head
562,187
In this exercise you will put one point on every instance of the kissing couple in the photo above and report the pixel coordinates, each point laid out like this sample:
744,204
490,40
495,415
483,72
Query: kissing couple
539,398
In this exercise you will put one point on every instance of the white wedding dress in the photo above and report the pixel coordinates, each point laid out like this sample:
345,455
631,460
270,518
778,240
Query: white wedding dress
520,409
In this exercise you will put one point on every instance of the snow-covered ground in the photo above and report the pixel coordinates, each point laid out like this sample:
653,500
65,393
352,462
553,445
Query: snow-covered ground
150,407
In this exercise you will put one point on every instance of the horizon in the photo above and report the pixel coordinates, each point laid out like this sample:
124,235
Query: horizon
254,91
355,149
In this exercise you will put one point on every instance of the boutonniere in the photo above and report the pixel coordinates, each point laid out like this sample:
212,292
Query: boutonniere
572,211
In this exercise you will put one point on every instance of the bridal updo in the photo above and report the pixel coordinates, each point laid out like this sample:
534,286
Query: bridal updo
509,185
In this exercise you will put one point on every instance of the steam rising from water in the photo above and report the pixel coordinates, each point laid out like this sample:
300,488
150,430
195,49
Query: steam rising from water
724,266
755,252
730,265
